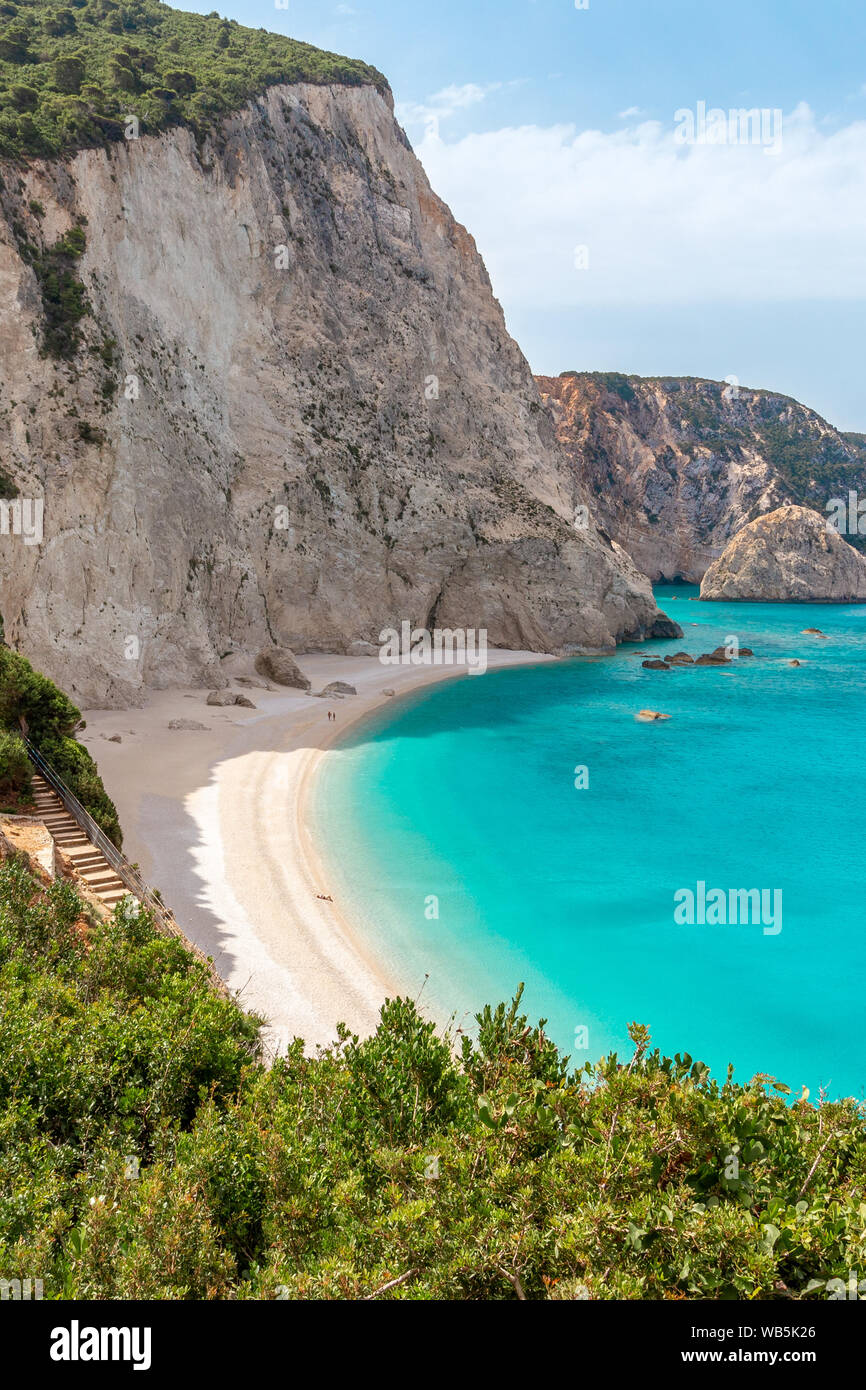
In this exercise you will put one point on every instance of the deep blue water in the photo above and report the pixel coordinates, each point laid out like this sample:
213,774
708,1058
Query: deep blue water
465,792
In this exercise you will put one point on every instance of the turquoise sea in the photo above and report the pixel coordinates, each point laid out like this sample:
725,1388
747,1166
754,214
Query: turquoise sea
462,799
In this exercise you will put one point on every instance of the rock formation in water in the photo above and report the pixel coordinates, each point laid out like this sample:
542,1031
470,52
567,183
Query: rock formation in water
675,467
789,556
289,413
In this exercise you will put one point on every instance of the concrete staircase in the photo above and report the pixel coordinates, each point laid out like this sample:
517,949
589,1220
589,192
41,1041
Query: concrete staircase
86,859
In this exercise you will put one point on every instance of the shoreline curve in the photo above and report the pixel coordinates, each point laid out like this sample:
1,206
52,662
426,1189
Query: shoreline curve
219,820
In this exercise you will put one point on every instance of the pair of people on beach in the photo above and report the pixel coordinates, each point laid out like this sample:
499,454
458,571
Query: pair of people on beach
331,716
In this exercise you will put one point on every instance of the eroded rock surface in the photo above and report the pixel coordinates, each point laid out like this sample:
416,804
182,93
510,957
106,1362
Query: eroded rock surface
296,416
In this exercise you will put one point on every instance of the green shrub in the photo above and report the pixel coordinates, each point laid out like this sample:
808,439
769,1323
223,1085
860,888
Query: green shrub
64,298
145,1152
15,779
13,45
73,763
27,695
69,74
50,719
24,98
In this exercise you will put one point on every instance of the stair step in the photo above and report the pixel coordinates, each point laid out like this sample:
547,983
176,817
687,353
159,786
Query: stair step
89,862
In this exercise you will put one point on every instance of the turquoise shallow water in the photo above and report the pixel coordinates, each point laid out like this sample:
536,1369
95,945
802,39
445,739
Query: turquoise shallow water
466,792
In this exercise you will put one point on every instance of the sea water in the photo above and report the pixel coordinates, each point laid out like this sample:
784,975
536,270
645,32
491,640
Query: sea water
525,826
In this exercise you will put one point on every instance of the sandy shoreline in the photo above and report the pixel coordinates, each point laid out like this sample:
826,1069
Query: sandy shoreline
217,820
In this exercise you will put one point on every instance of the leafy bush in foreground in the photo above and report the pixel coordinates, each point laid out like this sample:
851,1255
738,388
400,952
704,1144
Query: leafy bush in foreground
145,1152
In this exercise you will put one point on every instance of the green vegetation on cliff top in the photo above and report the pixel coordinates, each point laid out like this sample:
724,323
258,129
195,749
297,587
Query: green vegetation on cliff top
72,73
146,1152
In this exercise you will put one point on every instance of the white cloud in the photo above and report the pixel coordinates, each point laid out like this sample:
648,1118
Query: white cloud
629,112
443,105
664,223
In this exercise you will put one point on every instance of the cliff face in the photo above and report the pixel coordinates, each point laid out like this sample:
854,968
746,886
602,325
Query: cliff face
675,467
789,556
295,414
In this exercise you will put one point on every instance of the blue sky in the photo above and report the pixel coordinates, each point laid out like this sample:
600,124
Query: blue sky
549,128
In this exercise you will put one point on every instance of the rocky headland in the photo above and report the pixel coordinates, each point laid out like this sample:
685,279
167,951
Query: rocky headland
788,556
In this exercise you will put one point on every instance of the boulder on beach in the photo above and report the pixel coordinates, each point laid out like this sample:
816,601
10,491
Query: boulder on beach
189,725
228,697
253,683
339,688
790,555
278,664
655,665
650,716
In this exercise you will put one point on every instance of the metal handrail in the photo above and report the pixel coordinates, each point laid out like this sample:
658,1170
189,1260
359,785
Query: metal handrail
126,872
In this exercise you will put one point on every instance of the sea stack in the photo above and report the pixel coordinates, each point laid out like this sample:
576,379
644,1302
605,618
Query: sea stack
790,555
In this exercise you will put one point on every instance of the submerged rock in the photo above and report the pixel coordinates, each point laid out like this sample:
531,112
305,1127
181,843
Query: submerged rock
650,716
790,555
655,665
680,659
